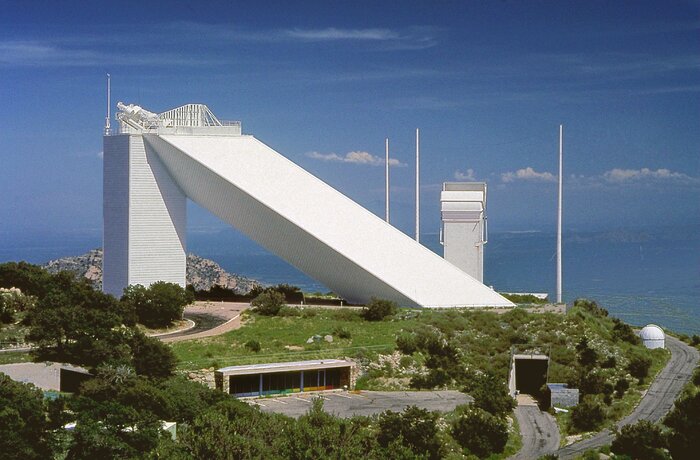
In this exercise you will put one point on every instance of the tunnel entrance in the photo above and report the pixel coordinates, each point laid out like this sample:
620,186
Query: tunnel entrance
530,373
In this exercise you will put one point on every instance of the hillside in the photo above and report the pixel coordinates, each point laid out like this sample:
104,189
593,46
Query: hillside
201,273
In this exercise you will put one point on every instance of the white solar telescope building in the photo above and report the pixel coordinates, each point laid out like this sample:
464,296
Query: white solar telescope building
156,161
464,232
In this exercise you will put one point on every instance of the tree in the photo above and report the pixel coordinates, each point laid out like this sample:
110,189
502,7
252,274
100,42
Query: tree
490,394
30,279
269,303
75,323
479,432
639,367
12,301
151,357
588,415
378,309
158,305
24,430
587,356
318,434
623,331
111,430
641,440
684,419
415,428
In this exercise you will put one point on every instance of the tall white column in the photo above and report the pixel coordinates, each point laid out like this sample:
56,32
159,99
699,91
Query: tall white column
559,213
417,185
386,173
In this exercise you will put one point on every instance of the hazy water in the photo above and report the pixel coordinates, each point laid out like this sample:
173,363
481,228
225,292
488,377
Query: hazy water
640,277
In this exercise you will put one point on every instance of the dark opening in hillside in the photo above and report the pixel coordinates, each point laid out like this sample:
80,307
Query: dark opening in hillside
531,374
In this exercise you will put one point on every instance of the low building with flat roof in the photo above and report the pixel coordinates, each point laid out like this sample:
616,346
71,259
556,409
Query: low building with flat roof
284,378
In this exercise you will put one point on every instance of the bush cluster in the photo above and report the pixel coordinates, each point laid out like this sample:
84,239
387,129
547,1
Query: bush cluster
268,303
378,309
158,305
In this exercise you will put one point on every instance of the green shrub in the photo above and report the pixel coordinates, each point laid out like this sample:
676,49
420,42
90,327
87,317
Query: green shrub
621,386
623,331
525,299
591,307
342,332
416,428
639,367
268,303
158,305
253,345
286,311
378,309
407,343
684,420
589,415
641,440
490,394
479,432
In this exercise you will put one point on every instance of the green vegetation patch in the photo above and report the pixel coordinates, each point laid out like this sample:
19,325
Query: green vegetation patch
284,338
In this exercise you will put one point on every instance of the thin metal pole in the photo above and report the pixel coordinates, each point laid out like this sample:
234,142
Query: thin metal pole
386,173
417,185
559,212
109,103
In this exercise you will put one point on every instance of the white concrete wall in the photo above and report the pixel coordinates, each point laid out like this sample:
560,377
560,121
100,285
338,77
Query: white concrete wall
462,247
144,218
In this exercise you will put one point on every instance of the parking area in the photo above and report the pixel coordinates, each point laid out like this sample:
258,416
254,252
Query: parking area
350,403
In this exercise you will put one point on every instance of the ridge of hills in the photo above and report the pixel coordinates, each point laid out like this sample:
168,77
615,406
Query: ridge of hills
202,273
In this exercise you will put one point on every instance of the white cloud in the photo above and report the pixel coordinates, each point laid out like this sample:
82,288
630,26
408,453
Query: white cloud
528,174
618,175
332,33
356,157
467,175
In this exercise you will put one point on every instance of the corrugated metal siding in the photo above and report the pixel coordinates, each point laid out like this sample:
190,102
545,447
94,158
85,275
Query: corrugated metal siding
115,209
313,226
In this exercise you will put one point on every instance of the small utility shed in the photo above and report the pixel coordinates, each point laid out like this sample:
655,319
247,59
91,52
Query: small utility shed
282,378
560,395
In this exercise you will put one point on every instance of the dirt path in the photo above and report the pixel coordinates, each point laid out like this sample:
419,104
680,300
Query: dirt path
211,318
656,403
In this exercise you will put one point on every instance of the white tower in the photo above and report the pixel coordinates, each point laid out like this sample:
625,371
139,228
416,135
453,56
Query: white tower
464,231
144,217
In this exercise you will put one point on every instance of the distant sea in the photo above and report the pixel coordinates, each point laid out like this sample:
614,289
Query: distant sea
639,276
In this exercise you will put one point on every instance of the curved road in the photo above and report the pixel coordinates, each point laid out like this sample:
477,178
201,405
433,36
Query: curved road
655,404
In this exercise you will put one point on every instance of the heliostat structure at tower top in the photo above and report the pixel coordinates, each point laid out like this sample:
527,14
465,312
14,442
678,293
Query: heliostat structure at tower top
193,119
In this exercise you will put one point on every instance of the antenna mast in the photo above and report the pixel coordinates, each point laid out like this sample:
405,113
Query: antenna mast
559,211
109,103
386,173
417,185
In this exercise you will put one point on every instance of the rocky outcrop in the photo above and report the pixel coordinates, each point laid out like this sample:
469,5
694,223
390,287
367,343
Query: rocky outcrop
202,273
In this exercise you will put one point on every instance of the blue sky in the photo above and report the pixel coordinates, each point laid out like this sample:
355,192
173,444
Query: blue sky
487,82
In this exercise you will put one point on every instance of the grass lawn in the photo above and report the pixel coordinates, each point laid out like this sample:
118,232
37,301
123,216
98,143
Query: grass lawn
277,332
15,357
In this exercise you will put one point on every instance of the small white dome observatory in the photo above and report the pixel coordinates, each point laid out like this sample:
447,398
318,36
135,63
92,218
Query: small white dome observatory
652,336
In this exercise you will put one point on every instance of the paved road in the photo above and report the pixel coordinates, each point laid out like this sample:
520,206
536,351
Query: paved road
349,403
539,431
210,318
656,403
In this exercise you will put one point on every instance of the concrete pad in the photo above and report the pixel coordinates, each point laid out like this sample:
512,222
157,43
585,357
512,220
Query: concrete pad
46,376
347,404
